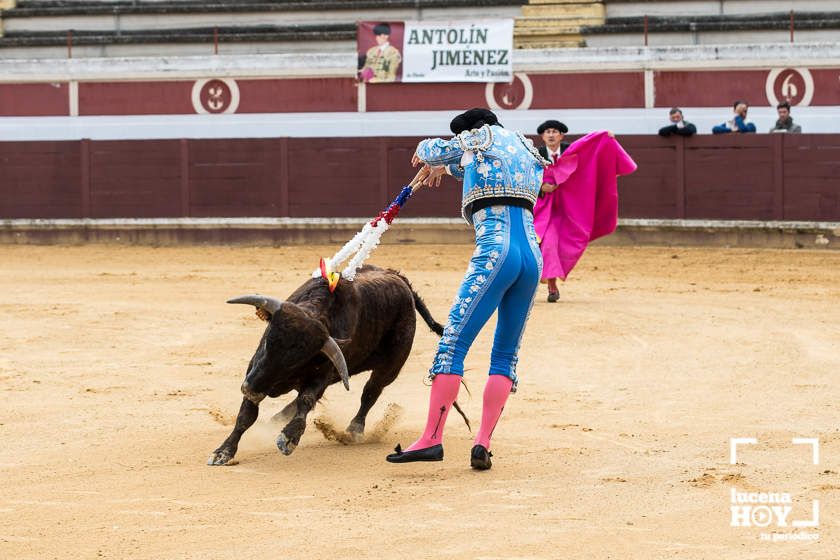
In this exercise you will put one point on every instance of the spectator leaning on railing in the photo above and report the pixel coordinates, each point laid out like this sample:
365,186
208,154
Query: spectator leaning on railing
738,123
785,122
678,125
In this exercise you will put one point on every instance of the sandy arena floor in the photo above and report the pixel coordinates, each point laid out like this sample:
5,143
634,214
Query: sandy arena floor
120,371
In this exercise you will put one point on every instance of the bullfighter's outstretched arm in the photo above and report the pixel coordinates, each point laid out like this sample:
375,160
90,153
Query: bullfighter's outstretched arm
437,151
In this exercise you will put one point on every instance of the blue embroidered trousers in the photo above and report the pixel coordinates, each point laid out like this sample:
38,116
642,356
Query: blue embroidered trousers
503,275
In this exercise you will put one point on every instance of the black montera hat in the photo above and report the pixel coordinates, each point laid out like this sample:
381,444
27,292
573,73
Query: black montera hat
552,124
381,29
474,118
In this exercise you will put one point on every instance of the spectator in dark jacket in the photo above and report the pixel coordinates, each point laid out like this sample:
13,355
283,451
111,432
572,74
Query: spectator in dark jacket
738,123
785,122
678,125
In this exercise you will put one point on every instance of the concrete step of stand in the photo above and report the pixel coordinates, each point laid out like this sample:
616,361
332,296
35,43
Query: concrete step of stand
683,8
125,15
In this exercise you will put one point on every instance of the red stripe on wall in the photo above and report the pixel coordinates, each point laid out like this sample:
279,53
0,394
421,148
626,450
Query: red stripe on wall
710,88
588,91
135,98
424,97
34,100
297,96
550,91
826,86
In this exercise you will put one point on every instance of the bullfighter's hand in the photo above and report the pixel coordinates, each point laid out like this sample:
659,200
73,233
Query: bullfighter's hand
611,134
263,314
548,187
415,160
435,175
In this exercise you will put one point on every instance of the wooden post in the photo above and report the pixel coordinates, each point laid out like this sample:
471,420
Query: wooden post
69,43
215,40
646,30
84,147
383,171
285,209
185,178
680,173
791,26
778,176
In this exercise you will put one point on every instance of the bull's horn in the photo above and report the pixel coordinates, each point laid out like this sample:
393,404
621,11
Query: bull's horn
333,352
268,304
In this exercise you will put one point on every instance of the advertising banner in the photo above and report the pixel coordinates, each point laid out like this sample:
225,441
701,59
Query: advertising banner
430,51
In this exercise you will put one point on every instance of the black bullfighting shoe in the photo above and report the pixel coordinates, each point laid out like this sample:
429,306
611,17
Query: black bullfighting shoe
433,453
553,297
480,458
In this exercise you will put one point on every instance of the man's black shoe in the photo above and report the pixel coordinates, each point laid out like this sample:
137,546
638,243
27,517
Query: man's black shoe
480,458
433,453
553,297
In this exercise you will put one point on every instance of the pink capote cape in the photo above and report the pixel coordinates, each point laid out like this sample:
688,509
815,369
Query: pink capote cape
585,205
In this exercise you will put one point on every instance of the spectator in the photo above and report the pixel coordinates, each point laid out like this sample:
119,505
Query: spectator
785,122
738,123
678,125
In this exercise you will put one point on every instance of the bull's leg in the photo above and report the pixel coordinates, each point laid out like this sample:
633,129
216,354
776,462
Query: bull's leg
399,346
379,379
370,394
248,413
289,438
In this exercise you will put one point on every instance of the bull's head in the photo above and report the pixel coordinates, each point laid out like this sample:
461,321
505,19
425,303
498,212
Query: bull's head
292,339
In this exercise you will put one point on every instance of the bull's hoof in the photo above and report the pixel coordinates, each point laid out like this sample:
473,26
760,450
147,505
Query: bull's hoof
220,457
356,432
285,445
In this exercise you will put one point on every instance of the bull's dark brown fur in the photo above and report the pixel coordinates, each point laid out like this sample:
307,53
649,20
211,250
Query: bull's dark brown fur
372,319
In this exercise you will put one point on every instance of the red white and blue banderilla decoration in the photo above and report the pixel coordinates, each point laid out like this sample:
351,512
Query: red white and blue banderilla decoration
364,242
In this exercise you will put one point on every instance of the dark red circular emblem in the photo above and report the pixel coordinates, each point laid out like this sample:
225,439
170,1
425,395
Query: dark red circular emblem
790,86
215,96
509,96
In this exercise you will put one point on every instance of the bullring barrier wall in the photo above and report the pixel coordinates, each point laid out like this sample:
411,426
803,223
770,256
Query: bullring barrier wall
735,177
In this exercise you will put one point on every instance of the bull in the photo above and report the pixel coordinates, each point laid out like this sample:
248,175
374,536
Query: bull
317,338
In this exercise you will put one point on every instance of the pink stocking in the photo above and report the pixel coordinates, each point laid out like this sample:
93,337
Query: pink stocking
495,396
444,392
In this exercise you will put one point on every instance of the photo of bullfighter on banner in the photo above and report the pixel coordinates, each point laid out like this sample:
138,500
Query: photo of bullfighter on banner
379,45
442,51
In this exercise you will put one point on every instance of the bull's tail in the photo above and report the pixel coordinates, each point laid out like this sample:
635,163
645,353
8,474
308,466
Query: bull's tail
461,412
420,305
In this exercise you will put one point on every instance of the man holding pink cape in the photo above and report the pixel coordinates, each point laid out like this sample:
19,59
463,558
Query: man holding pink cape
579,202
